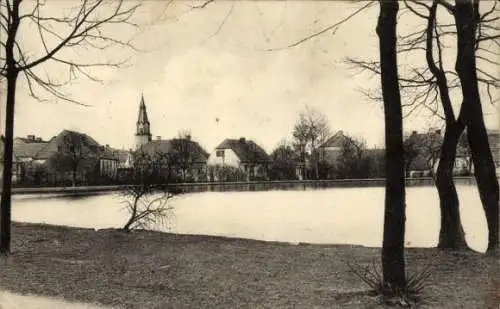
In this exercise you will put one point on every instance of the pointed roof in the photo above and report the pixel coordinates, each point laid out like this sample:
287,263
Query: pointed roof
143,114
51,147
336,140
27,149
246,150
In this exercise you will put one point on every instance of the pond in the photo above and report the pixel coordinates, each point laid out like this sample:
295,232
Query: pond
333,216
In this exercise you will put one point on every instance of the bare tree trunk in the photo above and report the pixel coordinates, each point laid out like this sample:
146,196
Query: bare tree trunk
393,263
12,74
466,19
133,215
5,213
451,234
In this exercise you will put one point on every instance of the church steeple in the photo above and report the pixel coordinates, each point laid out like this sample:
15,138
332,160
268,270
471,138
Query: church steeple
143,131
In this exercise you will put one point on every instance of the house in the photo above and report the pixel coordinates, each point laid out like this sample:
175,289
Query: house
78,153
421,152
331,149
329,153
243,154
25,150
108,162
125,164
125,158
185,157
463,162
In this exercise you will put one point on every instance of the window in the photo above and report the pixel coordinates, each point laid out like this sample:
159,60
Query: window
219,153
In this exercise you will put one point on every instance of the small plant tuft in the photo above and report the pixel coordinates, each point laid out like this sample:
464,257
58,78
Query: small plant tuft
408,297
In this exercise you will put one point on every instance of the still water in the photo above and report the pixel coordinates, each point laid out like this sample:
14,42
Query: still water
335,216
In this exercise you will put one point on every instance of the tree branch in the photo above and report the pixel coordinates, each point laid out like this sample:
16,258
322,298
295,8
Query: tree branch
333,28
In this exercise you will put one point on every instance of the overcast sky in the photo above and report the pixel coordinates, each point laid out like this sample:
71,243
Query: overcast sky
206,70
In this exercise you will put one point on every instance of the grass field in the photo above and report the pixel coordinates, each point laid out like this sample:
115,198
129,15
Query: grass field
159,270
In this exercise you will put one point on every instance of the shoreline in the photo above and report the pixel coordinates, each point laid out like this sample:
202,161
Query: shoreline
244,186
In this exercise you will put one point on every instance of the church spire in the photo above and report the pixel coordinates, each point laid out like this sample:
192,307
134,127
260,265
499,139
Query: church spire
143,115
143,132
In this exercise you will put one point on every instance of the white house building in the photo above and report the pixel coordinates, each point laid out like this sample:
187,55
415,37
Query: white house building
243,154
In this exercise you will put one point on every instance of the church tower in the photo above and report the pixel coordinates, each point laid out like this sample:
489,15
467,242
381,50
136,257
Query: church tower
143,132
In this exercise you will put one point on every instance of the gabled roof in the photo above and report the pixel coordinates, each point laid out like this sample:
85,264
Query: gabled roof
427,139
123,155
336,140
246,150
52,146
197,153
108,153
25,148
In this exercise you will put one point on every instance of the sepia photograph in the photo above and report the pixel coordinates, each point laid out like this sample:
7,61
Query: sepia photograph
224,154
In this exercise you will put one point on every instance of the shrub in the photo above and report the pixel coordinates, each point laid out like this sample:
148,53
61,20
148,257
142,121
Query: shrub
409,297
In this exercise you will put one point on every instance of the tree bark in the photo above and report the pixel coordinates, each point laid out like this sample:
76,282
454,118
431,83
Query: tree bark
393,263
466,19
12,74
451,234
5,213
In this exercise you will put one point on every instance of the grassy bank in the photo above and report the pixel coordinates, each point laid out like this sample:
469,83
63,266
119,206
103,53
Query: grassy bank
158,270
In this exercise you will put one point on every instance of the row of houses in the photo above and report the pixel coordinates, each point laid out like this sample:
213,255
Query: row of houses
69,152
78,158
422,152
72,151
71,148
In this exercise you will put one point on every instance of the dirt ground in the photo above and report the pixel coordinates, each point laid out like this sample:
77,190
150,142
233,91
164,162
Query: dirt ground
158,270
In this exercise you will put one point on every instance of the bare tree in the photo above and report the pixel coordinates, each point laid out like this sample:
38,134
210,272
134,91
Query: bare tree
183,153
467,19
310,132
146,199
152,168
147,206
393,262
353,162
74,155
85,27
411,152
430,88
284,161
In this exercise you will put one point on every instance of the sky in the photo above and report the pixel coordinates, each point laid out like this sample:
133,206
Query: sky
208,71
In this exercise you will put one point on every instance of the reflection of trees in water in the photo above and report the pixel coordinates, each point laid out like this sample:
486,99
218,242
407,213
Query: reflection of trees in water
66,196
